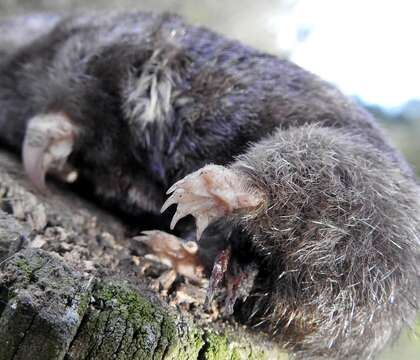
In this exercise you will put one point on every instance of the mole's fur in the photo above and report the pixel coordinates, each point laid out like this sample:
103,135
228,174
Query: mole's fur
149,99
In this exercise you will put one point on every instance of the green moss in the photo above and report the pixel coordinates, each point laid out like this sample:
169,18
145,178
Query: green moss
240,354
168,335
189,346
153,328
217,347
220,348
224,347
142,330
197,342
84,303
24,266
124,324
27,266
127,302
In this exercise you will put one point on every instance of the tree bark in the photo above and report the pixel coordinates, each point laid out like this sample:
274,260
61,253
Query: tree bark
66,291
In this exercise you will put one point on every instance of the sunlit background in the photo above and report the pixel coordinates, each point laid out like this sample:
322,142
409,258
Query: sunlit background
368,48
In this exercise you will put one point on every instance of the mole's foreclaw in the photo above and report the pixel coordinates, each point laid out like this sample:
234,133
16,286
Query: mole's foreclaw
175,186
33,162
178,215
142,238
148,232
146,237
48,142
201,222
169,201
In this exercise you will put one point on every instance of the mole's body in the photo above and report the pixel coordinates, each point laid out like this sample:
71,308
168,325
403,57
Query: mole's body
309,193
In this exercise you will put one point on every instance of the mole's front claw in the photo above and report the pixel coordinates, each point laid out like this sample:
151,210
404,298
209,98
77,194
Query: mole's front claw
48,142
209,194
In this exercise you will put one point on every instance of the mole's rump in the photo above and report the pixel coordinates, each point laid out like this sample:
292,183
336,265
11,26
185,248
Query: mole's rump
309,216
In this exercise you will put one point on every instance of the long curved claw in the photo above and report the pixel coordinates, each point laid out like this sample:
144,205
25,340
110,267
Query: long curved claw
48,142
33,162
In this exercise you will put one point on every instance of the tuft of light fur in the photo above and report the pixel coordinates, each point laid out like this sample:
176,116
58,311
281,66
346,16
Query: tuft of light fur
148,96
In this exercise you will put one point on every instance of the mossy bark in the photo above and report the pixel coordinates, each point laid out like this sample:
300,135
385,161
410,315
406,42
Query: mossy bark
51,307
52,311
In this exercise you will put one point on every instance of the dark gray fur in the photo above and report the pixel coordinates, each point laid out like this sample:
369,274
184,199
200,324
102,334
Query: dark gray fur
155,99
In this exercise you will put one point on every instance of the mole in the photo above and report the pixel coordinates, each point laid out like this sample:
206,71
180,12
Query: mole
282,188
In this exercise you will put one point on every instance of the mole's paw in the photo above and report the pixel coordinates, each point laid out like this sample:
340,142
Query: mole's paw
172,251
210,193
48,142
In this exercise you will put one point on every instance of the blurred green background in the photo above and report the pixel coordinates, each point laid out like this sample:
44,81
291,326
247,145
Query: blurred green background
290,28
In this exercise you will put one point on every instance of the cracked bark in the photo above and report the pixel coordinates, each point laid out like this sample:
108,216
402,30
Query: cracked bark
54,306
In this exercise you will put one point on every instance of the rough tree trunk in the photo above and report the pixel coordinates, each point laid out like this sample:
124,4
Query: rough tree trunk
68,289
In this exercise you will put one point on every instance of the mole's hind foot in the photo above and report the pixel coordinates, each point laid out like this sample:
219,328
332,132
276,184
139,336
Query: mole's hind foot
209,194
48,142
172,251
182,258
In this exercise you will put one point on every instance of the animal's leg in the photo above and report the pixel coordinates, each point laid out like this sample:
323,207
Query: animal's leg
209,194
183,259
335,225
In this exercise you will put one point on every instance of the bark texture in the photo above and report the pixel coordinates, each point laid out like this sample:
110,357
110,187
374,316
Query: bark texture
67,289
